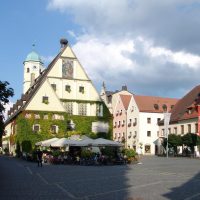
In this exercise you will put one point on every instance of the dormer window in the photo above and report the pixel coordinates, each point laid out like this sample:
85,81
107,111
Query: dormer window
164,107
156,106
189,111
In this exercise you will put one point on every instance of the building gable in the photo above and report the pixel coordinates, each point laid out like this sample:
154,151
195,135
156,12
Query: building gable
68,67
45,99
126,100
81,86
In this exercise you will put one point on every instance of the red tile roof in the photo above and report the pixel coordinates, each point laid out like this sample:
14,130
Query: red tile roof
125,100
189,100
154,104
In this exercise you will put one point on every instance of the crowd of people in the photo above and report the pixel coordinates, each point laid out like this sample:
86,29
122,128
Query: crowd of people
75,158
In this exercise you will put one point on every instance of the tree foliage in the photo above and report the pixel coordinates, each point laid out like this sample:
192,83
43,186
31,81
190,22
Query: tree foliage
174,140
5,93
189,140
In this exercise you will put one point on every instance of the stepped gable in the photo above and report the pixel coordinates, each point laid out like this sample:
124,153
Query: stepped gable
179,112
125,100
154,104
25,98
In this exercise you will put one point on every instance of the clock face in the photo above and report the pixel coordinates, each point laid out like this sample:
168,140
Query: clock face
67,68
34,68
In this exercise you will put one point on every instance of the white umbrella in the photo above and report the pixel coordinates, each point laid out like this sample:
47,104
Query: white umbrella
59,143
104,142
46,143
65,142
85,142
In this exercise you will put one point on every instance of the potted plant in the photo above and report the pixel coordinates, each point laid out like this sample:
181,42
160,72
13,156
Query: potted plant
130,155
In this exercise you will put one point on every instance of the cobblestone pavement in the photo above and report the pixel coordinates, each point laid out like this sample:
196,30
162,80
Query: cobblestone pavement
155,178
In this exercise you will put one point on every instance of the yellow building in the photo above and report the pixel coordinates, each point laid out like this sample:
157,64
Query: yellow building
57,101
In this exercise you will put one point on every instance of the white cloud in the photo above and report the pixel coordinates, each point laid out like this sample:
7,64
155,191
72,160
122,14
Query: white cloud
137,62
152,46
172,23
72,34
99,56
180,57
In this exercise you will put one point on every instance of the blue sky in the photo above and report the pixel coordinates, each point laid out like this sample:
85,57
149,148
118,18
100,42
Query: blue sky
150,46
22,24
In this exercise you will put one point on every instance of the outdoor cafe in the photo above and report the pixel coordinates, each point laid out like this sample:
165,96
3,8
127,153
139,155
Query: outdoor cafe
81,150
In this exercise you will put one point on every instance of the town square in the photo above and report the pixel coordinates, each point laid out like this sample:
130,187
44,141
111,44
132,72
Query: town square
155,178
100,100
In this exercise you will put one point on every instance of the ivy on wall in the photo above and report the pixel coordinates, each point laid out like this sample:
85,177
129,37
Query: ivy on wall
83,125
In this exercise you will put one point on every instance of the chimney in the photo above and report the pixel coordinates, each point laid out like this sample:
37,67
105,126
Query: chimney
124,87
63,43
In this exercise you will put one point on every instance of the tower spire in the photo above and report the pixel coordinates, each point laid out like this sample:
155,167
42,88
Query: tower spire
103,88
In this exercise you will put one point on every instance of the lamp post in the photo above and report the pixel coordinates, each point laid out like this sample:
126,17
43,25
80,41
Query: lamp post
166,124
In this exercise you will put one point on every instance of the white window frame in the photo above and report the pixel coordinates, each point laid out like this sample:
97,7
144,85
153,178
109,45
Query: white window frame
36,125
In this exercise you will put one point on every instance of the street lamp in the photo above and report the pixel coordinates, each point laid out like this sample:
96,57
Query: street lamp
166,124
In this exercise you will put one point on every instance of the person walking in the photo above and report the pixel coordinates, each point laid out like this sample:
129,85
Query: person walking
39,157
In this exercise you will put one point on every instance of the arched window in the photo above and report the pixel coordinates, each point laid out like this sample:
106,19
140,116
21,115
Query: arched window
164,107
156,106
28,70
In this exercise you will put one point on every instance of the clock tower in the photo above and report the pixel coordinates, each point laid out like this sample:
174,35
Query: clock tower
33,66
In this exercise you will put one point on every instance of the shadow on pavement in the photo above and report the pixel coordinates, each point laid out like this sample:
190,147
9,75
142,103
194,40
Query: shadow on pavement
20,179
190,190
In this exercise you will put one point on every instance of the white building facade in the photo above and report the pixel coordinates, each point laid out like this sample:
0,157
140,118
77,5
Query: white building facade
136,118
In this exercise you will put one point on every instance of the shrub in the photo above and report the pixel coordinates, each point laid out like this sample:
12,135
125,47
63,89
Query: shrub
85,153
56,153
108,151
130,153
26,146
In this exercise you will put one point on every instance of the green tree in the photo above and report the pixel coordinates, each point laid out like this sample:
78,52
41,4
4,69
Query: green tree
191,140
5,93
174,141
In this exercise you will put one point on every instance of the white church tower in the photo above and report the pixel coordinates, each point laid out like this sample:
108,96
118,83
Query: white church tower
33,66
